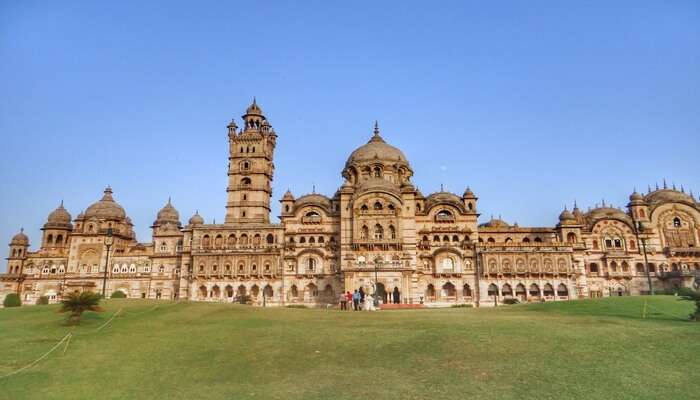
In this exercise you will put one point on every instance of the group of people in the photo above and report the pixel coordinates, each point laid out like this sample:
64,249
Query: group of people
359,301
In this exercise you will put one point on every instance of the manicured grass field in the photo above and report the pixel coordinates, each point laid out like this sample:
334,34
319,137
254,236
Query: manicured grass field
589,349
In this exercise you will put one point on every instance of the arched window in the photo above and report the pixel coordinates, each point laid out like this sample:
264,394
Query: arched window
491,240
508,240
321,239
392,232
595,244
493,290
507,291
231,241
593,267
538,240
455,238
377,206
571,237
448,263
244,239
364,208
534,290
245,181
364,233
639,267
377,172
302,239
206,241
548,290
311,264
448,290
677,222
446,239
436,238
312,239
562,290
270,239
526,240
430,292
49,239
378,232
466,290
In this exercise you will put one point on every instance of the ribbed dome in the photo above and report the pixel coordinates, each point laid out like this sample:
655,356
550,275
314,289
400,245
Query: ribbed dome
468,193
59,216
196,219
376,149
636,196
313,199
106,207
167,214
496,223
566,216
606,212
20,239
668,195
254,109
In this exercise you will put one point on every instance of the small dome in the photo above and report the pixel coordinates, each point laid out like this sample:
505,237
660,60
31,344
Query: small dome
566,216
288,195
376,149
607,213
106,208
495,223
167,214
196,219
20,239
468,194
443,198
59,216
636,196
254,109
313,199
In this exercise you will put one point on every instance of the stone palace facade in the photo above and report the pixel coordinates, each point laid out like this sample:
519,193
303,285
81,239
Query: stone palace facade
421,249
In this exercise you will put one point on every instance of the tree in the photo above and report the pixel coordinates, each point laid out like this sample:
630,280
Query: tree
77,303
12,300
42,301
118,294
689,294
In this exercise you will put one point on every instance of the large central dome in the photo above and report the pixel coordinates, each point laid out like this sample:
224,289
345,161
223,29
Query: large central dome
376,150
106,208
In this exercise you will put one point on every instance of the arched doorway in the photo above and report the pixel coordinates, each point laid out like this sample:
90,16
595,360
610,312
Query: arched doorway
229,291
381,292
396,295
520,292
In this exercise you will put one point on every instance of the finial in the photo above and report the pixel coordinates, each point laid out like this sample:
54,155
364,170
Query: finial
21,229
214,221
634,190
255,101
61,202
648,189
682,190
673,185
603,202
657,185
665,185
313,188
169,200
575,204
565,209
376,128
442,187
691,193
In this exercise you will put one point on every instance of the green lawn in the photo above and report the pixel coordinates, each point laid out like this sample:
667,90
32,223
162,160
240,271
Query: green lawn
590,349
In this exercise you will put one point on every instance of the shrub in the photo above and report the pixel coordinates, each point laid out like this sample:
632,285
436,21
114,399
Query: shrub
118,295
461,306
511,300
42,301
243,299
297,306
689,294
12,300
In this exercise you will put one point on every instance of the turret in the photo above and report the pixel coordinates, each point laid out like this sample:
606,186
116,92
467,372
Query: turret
469,200
18,253
638,207
57,229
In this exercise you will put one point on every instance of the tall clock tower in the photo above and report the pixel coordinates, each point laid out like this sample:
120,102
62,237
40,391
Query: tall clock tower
250,168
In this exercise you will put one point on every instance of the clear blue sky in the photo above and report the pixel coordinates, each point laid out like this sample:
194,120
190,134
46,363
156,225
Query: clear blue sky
531,103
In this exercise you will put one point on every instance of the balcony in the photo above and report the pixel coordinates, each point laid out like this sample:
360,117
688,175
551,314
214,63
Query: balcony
311,219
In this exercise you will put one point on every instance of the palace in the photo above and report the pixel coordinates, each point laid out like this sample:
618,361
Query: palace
377,230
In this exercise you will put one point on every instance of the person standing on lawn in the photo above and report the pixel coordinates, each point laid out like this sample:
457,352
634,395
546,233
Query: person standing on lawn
343,301
355,300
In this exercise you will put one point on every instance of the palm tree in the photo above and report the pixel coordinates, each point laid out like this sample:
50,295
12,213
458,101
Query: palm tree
77,303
